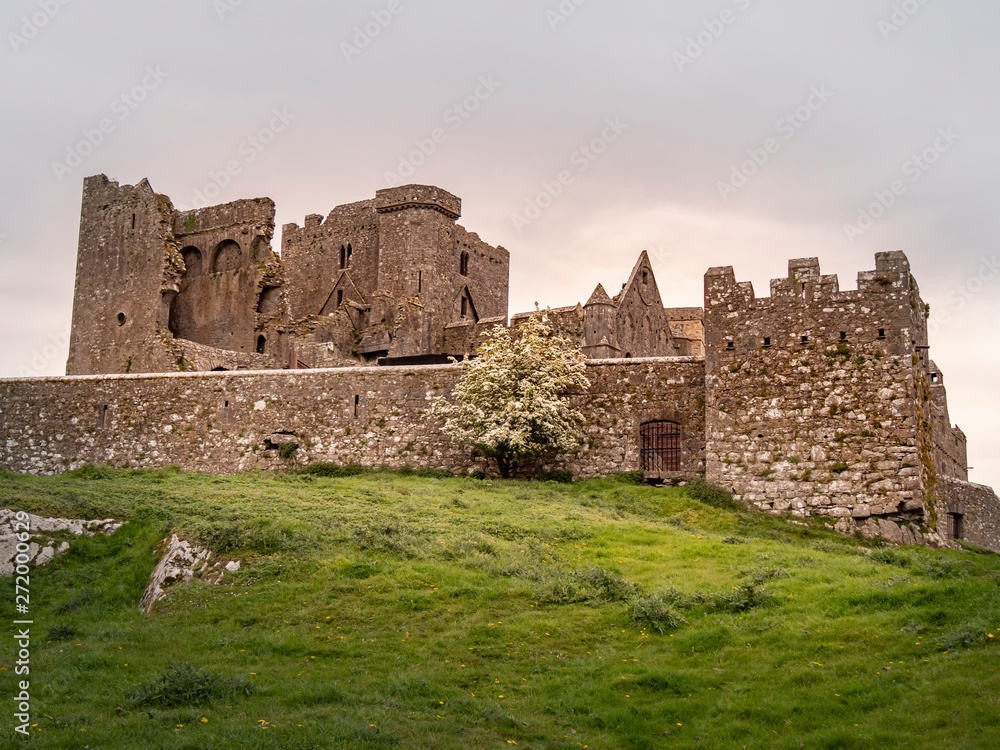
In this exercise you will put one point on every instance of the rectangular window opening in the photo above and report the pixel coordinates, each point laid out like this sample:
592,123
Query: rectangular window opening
881,333
805,339
843,335
957,525
767,342
357,406
731,345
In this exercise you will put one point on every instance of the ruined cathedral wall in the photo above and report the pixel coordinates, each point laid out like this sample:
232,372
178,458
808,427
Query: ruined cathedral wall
128,265
488,276
230,422
813,393
312,261
227,253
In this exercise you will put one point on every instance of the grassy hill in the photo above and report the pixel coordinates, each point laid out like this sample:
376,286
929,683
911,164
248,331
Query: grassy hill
392,611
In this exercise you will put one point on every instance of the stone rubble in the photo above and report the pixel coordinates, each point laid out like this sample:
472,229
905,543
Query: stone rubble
44,547
183,561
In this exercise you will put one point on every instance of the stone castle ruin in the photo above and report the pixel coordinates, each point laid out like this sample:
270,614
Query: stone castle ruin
194,343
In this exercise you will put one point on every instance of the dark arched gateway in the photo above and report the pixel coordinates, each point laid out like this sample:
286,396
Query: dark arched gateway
661,447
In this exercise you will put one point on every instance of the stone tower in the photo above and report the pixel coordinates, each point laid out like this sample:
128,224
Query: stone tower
818,400
599,326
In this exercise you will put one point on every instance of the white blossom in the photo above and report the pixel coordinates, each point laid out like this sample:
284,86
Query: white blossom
512,402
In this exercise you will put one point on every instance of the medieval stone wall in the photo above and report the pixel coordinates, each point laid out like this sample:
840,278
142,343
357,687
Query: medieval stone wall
969,512
128,266
230,422
815,396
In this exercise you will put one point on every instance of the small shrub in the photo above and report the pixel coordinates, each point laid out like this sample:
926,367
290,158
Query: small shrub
61,633
711,494
387,536
187,685
333,470
608,585
287,451
839,468
743,598
558,475
678,522
890,556
629,477
655,611
91,472
962,638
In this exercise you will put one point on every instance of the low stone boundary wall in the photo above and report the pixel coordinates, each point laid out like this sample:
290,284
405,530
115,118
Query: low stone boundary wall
229,422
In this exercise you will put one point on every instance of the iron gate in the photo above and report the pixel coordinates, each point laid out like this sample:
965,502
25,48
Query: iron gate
661,447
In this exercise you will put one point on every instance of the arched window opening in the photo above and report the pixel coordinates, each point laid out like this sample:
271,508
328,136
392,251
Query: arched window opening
661,447
261,344
228,256
192,262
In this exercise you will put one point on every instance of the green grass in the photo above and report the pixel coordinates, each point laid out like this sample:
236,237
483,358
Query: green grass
380,610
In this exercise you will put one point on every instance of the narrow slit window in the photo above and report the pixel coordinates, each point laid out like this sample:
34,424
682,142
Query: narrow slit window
340,297
957,525
343,257
463,264
843,335
357,406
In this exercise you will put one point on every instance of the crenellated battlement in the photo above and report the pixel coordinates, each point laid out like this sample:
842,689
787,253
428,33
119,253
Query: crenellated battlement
805,283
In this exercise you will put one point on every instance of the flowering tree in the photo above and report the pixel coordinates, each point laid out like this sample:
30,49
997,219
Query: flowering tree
511,404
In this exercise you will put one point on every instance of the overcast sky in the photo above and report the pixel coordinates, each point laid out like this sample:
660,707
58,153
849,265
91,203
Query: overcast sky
724,132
